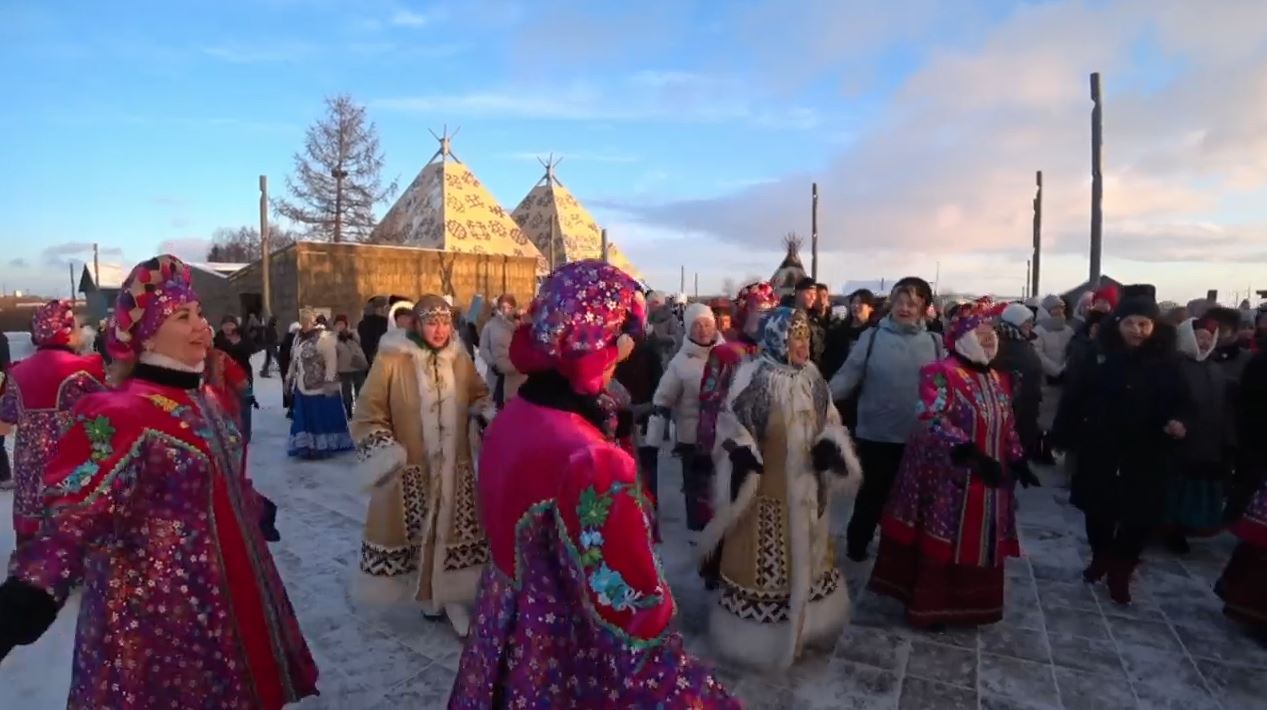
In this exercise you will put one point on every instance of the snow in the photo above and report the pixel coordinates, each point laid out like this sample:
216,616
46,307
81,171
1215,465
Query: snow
389,659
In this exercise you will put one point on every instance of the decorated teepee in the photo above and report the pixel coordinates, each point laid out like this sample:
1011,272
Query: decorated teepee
560,226
446,207
791,270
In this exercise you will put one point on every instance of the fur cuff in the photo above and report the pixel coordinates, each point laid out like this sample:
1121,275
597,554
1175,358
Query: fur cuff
380,459
840,437
371,590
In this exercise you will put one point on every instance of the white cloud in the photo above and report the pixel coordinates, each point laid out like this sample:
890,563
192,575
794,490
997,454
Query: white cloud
259,52
406,18
948,166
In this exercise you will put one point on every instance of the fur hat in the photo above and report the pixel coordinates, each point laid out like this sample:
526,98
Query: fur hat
1016,314
585,318
151,293
1137,300
53,323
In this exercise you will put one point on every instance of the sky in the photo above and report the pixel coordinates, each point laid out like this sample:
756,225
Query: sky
691,130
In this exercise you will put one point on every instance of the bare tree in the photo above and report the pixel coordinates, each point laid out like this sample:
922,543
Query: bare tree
336,182
241,245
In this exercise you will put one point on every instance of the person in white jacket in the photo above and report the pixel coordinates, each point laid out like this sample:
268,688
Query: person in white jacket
502,377
319,427
1052,336
677,396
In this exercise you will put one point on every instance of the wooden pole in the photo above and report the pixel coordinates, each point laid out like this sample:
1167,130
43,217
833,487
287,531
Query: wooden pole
1097,181
1025,290
72,280
265,253
1038,234
813,232
605,254
96,265
697,284
682,282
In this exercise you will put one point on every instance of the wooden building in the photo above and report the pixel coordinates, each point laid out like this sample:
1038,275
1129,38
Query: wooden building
341,278
210,281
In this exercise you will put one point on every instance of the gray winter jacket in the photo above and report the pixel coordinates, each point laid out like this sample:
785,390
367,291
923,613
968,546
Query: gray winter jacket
888,406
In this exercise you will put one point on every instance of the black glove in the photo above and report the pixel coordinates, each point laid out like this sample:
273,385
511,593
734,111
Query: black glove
827,456
990,471
255,403
25,614
683,451
742,463
624,423
1024,475
964,454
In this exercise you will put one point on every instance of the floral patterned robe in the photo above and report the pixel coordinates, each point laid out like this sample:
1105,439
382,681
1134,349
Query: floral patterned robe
37,398
149,508
573,612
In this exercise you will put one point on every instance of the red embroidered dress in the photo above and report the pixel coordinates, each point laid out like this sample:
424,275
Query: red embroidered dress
945,534
37,398
150,510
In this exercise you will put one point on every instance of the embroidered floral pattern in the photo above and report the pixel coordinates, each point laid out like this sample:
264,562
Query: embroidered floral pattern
99,433
608,586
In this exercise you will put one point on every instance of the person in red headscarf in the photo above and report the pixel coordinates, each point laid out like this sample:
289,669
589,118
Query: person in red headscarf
36,398
573,610
951,519
149,509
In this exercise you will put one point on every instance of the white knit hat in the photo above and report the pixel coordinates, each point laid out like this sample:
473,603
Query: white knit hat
1017,314
696,311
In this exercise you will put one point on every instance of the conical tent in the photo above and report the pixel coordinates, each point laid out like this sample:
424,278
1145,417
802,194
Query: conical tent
446,207
791,270
551,212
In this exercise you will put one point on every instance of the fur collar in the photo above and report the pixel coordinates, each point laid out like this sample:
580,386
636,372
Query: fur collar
396,341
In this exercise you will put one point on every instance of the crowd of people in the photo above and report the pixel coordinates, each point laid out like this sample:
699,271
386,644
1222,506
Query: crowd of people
521,504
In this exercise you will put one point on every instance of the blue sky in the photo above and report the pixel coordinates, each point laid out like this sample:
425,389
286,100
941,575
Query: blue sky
692,129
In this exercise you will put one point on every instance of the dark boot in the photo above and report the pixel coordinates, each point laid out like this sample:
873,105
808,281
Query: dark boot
710,570
1120,581
1097,569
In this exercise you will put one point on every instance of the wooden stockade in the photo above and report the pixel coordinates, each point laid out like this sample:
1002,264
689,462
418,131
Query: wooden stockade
343,277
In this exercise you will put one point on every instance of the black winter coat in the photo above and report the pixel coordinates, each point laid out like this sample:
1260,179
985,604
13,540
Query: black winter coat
841,335
371,329
1113,416
1020,361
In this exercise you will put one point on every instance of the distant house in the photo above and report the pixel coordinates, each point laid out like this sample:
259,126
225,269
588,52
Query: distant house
210,280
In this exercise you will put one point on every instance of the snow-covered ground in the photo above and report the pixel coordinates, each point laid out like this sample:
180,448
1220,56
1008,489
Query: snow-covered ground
1062,644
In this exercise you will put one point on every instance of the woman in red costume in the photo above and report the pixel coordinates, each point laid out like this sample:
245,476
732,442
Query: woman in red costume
37,398
951,519
148,508
573,611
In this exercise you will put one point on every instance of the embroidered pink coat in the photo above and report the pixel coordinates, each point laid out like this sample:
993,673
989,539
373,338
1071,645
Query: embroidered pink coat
36,399
150,510
573,612
939,506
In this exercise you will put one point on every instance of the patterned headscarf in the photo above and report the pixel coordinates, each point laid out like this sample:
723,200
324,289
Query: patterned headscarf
960,336
754,296
576,320
154,290
432,307
781,325
53,323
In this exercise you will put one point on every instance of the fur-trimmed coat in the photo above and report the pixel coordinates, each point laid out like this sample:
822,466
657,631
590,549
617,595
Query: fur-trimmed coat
780,587
417,441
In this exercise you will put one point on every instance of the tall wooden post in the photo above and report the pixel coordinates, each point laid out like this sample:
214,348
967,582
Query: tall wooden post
697,284
604,246
1038,235
1025,290
72,281
1097,181
813,232
682,282
265,252
96,265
